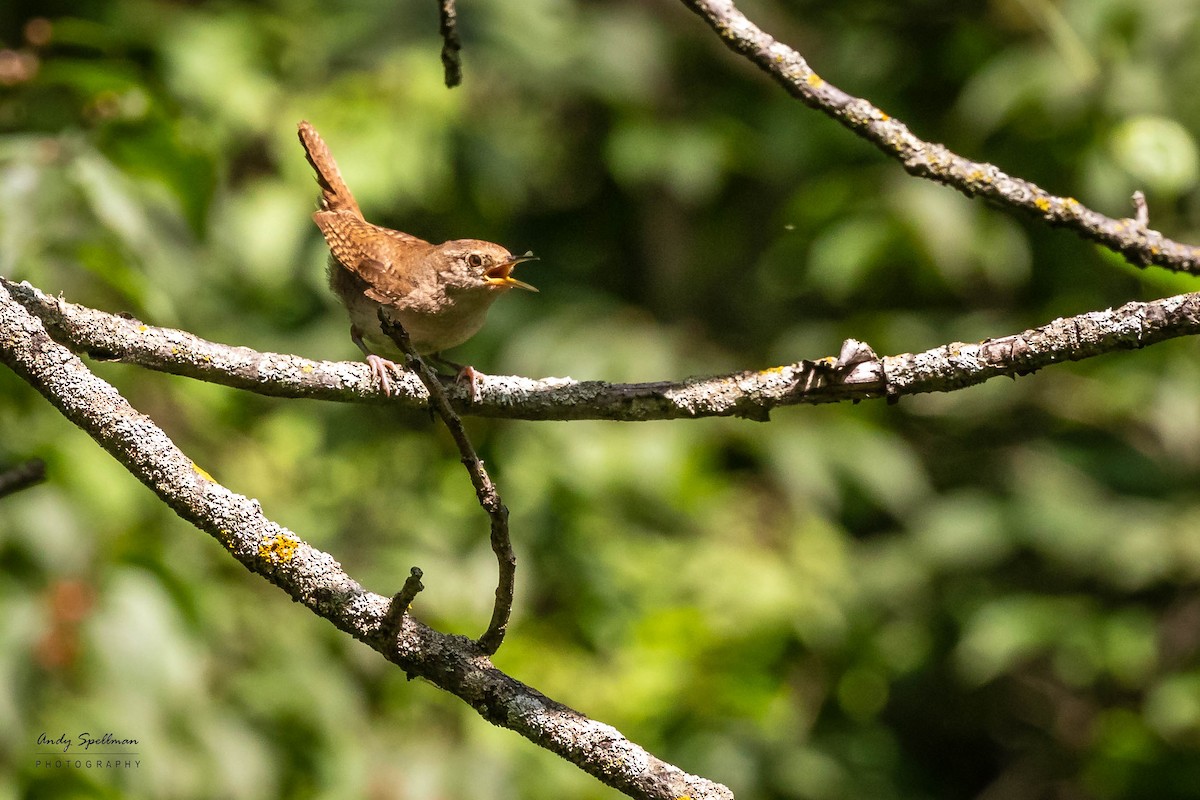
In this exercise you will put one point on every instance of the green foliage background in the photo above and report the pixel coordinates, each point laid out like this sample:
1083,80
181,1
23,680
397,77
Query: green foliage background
992,593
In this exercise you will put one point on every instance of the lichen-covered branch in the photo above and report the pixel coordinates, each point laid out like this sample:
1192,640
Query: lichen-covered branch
485,489
1129,237
313,578
752,394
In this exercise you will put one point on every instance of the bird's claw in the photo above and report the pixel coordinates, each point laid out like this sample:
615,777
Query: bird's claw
474,378
380,369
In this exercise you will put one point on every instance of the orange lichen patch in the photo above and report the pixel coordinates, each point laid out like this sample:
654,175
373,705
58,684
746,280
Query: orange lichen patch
279,549
143,328
1042,204
814,80
202,473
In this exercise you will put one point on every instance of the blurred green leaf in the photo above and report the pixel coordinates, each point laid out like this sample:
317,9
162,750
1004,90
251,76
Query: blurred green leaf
1158,152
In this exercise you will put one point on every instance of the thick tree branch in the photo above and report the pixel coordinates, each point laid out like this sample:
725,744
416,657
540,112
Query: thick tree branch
1140,245
485,490
750,394
313,578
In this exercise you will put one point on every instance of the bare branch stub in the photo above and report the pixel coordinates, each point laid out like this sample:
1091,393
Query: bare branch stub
1140,245
1141,211
401,602
485,489
451,45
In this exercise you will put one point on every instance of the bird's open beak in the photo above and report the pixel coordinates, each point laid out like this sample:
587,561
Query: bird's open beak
501,274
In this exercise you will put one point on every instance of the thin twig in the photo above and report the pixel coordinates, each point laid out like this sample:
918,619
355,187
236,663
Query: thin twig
1141,246
485,489
316,580
22,476
451,45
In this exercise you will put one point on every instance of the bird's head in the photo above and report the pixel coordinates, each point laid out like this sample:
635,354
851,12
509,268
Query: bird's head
475,264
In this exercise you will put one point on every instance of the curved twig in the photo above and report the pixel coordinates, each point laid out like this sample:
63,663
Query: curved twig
313,578
485,489
936,162
750,394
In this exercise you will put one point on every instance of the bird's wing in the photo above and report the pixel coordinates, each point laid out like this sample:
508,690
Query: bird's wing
371,252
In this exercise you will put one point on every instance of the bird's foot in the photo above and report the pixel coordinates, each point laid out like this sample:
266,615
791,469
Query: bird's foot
381,369
474,378
461,372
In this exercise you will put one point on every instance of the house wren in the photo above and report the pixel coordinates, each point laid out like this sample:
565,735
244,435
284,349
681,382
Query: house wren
440,293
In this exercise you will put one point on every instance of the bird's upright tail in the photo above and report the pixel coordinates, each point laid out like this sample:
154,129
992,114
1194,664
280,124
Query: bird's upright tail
335,195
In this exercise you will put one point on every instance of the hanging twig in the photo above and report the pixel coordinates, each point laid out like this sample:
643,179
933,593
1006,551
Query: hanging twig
448,27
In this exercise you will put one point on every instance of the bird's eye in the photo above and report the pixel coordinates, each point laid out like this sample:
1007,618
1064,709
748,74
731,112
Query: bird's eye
475,260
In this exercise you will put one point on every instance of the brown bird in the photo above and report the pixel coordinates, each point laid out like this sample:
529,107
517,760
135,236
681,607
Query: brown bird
440,293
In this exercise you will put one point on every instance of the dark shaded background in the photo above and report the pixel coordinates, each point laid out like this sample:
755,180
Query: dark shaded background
986,594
